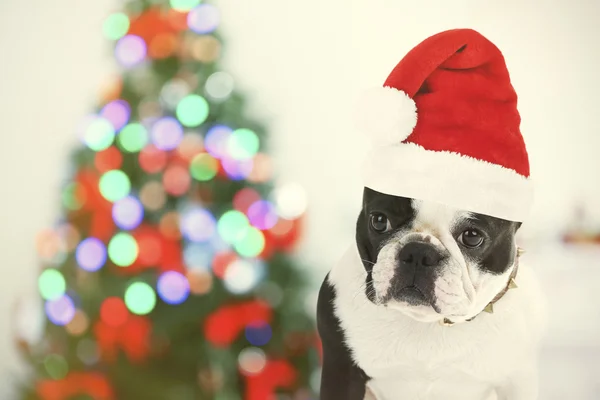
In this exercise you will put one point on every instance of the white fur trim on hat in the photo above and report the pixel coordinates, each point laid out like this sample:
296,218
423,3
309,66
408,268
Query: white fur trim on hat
408,170
386,115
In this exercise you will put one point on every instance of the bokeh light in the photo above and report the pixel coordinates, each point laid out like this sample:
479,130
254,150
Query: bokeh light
290,200
191,145
204,167
162,45
206,49
51,247
130,50
114,185
87,351
56,366
113,312
232,226
243,144
61,310
198,256
184,5
115,26
216,140
153,195
152,160
270,292
91,254
262,169
70,236
221,261
117,112
203,19
122,249
252,361
72,196
166,133
200,282
262,214
192,110
173,91
79,324
128,213
132,138
197,224
237,169
176,180
108,159
169,225
251,244
173,288
219,85
258,333
140,298
51,284
244,198
99,134
241,276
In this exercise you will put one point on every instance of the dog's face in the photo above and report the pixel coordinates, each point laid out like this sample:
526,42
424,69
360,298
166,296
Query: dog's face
431,261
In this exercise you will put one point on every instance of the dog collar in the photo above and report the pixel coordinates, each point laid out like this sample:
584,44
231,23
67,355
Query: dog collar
490,306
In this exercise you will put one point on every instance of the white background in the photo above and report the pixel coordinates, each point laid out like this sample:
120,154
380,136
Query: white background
302,64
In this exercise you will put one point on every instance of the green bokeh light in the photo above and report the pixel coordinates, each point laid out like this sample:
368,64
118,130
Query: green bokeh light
243,144
184,5
56,366
140,298
99,134
69,197
115,26
232,226
52,284
133,138
251,244
114,185
192,110
203,167
122,249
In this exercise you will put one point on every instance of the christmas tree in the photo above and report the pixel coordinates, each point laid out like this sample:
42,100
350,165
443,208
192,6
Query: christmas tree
169,275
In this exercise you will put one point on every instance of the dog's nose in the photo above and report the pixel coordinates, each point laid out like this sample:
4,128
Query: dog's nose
417,254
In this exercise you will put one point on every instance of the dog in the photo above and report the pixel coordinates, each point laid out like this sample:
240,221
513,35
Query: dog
431,302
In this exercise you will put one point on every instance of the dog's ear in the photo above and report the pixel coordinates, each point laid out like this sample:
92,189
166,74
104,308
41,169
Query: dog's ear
362,240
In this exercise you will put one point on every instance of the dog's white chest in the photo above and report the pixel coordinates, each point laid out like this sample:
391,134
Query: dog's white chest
408,359
408,382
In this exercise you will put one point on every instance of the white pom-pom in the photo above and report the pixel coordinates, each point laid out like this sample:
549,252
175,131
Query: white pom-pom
386,115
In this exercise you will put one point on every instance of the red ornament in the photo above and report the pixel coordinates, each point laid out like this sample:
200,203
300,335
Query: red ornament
113,312
108,159
276,374
132,337
92,384
155,250
150,24
223,326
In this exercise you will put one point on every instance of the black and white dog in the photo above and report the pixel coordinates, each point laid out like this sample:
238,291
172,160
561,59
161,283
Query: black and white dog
402,315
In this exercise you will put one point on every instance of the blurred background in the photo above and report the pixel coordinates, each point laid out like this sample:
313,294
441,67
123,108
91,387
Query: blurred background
301,66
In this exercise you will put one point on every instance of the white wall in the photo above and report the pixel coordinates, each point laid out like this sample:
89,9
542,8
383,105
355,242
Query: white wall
302,63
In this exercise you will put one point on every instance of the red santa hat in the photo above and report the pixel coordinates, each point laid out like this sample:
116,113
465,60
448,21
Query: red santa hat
446,129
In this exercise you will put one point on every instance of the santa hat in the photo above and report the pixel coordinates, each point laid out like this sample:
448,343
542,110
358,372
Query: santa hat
446,129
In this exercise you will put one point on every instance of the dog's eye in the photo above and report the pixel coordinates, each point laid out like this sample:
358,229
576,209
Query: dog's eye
471,238
380,223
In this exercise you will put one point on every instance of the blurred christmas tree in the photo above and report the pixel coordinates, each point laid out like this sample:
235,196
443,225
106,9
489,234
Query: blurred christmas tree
169,275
